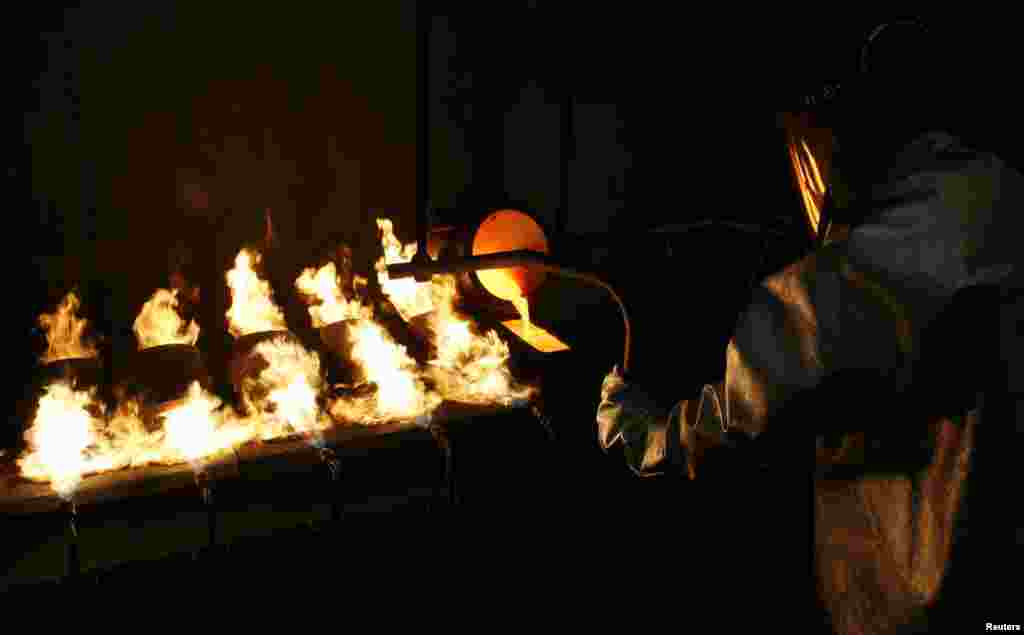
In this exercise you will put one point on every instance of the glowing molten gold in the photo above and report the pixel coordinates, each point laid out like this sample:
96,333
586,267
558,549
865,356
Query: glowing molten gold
537,337
509,230
522,305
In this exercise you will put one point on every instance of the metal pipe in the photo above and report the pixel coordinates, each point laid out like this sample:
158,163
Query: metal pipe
512,259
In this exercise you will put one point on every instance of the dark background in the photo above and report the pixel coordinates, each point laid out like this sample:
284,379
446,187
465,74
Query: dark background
153,136
149,138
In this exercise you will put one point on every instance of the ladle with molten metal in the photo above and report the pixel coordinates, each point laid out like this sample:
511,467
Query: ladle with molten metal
508,253
512,260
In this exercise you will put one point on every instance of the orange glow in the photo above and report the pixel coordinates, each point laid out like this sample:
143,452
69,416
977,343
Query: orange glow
536,337
810,156
818,182
64,330
809,182
509,230
159,324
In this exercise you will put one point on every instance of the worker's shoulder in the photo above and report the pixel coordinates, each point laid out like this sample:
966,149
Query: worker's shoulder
936,154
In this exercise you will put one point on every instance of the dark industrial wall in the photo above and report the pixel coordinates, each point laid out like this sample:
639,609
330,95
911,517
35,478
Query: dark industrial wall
156,136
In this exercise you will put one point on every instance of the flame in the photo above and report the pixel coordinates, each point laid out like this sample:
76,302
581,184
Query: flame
61,433
64,331
198,428
322,285
159,324
191,428
285,394
410,298
125,442
252,300
473,368
470,366
401,392
69,440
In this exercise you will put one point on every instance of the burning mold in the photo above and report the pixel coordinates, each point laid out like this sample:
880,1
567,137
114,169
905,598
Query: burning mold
282,388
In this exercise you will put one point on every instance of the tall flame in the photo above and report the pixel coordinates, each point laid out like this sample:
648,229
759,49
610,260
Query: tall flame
470,367
321,285
252,300
59,438
159,324
400,394
64,330
410,298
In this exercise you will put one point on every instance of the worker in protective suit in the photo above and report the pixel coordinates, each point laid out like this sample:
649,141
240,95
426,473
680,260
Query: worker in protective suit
912,223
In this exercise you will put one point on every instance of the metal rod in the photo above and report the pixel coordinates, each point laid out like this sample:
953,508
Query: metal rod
512,259
423,27
72,560
544,420
444,442
205,485
333,463
449,469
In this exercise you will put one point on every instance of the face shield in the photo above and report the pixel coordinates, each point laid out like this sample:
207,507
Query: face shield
872,106
809,150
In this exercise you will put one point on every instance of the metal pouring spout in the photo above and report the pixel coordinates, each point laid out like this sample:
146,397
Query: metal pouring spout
507,260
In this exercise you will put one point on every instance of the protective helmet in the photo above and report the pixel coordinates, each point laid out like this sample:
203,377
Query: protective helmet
879,96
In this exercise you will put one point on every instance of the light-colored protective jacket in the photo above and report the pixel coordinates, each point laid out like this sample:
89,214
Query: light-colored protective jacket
946,219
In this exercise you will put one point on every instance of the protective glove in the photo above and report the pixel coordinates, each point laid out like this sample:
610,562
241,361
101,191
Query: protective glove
628,414
653,438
